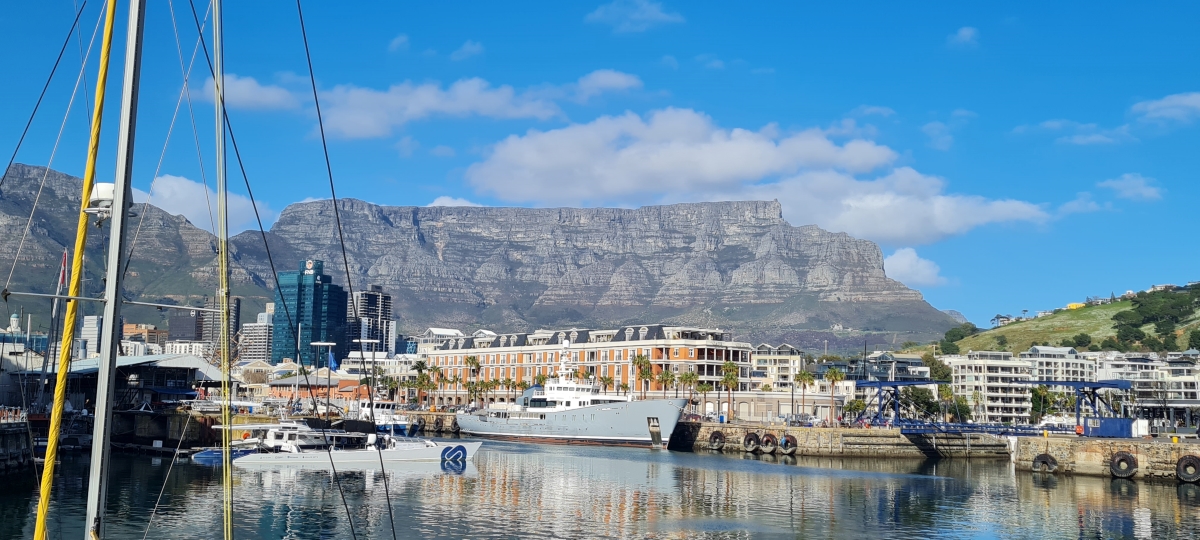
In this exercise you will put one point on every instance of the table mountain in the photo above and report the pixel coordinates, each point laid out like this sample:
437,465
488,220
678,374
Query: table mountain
737,265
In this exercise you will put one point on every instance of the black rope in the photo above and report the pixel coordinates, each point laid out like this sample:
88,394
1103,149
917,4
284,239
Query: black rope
45,87
312,78
274,273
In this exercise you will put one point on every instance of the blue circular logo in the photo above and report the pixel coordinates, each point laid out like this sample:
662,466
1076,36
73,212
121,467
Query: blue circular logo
454,453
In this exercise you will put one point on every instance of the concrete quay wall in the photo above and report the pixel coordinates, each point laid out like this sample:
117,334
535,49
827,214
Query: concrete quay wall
1151,458
840,442
15,453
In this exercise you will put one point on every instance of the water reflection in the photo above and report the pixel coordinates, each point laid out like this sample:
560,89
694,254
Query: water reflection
517,490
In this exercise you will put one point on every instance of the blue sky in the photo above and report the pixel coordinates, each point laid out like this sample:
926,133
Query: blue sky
1004,158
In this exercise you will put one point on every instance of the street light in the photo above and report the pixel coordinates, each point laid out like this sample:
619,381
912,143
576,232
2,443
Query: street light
328,372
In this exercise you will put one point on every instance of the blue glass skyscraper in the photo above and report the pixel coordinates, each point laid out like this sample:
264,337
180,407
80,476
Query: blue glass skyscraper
309,301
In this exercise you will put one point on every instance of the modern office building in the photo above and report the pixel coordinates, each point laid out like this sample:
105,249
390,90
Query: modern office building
185,325
995,384
369,317
308,308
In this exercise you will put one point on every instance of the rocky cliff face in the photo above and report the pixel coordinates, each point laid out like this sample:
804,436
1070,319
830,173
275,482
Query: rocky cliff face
737,265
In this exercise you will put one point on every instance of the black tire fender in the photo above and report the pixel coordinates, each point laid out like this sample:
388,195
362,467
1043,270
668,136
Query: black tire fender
716,441
1045,463
1187,469
750,442
788,445
769,444
1123,465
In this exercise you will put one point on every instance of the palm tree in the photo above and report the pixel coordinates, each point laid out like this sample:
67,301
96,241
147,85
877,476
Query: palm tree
540,379
436,380
510,385
704,389
689,379
606,382
624,388
420,367
805,378
834,376
523,386
643,371
666,378
946,397
729,379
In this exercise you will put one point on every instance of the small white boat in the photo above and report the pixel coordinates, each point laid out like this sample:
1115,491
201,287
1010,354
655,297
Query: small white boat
292,444
385,414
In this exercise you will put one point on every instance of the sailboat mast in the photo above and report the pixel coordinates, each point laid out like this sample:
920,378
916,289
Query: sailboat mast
223,264
111,340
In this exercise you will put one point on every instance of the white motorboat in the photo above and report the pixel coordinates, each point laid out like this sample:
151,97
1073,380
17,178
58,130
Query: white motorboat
385,414
296,443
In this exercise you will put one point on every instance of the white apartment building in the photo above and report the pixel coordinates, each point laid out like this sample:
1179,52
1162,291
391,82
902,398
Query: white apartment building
254,344
203,349
139,348
777,366
995,383
90,333
1058,364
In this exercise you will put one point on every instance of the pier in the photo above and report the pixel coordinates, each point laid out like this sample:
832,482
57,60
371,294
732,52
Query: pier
15,451
841,442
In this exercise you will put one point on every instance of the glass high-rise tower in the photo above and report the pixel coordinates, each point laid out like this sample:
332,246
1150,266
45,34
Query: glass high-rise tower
309,301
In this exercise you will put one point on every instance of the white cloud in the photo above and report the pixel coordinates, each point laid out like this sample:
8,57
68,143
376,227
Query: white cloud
679,155
1133,186
604,80
446,200
939,135
1078,133
248,93
1181,107
632,15
406,146
869,110
711,62
468,49
442,150
178,195
398,43
1081,204
966,36
910,269
355,112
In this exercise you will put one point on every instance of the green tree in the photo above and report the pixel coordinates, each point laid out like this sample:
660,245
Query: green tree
1130,334
729,379
1111,344
1082,340
909,345
689,379
938,370
540,379
855,407
961,331
1002,341
833,376
945,399
1194,339
1067,342
961,409
1170,343
624,388
606,382
920,400
948,347
806,379
1153,343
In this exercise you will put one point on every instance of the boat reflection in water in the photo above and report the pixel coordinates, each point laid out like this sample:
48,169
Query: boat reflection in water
517,490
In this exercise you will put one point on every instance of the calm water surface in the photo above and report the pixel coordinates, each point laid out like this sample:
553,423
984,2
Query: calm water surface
532,491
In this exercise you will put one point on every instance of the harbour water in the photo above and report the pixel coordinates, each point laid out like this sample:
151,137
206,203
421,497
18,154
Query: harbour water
514,490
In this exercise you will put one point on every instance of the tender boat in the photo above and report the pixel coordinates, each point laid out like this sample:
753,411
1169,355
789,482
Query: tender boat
385,414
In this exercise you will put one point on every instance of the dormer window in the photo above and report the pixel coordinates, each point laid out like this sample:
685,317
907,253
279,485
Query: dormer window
642,332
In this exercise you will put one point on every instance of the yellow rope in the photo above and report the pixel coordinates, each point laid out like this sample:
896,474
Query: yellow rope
76,286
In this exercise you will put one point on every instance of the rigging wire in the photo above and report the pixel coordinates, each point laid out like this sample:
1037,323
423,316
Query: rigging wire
163,489
45,87
46,172
312,79
274,273
186,72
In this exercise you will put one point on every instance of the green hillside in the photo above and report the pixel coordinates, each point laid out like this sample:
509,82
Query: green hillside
1096,321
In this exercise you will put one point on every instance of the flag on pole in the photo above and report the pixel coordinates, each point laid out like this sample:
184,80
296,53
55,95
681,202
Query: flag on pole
332,364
